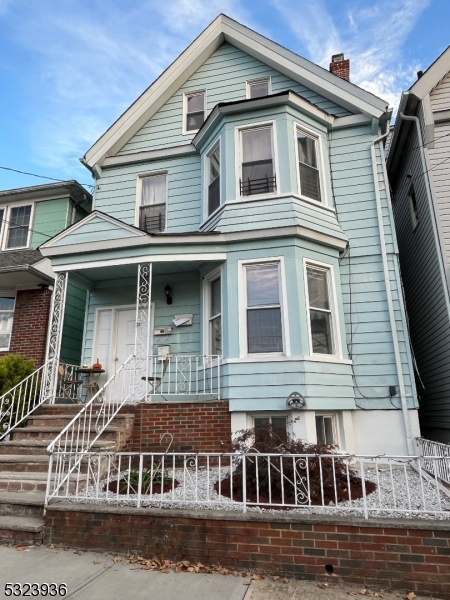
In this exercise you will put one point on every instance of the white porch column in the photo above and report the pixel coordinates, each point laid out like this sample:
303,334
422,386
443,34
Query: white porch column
142,366
55,335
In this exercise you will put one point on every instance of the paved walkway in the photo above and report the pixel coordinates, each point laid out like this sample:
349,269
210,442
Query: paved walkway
94,576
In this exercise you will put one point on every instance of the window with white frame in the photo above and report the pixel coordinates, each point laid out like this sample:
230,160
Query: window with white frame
320,309
194,111
263,308
152,207
326,430
275,426
214,315
257,161
258,88
213,178
18,226
7,305
308,165
414,211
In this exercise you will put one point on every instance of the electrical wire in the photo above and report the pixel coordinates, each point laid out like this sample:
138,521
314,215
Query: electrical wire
41,176
423,145
23,226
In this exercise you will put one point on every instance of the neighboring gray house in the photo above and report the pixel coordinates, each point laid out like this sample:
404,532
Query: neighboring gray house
419,172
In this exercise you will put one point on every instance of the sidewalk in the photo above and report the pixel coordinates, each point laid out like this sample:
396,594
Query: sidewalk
95,576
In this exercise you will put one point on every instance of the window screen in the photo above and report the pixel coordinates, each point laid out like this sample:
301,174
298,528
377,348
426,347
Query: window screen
18,226
195,111
308,167
258,88
319,310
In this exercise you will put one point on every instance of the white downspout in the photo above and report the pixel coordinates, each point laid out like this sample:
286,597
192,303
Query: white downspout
398,360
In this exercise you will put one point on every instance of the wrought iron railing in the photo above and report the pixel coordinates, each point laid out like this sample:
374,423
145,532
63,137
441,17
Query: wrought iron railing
69,383
441,466
152,218
389,486
250,187
21,400
189,374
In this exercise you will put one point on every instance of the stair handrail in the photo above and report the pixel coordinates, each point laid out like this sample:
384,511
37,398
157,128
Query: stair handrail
14,406
87,415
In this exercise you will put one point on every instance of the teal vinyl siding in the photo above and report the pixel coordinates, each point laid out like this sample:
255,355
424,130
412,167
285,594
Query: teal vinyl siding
95,229
223,75
74,313
50,217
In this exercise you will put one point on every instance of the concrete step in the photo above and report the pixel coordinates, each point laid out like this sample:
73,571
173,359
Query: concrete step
21,504
25,530
11,481
121,420
24,462
39,447
50,433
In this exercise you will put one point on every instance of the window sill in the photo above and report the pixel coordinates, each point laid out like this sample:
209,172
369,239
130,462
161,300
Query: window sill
281,358
16,248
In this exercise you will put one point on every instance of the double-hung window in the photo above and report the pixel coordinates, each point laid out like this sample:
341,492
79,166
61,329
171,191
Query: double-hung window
308,165
257,161
320,309
152,208
213,178
7,304
194,111
263,308
18,226
258,88
215,316
326,430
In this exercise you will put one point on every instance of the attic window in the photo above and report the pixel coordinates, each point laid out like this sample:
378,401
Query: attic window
258,88
194,111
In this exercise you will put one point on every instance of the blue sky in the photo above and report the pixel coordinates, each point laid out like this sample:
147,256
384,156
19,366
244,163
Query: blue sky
69,68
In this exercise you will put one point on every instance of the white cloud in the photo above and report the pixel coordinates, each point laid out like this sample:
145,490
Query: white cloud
372,36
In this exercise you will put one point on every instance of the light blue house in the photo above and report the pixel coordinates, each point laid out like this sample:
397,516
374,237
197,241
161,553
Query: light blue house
242,245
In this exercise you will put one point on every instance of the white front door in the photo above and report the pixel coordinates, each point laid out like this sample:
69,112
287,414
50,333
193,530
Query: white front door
124,338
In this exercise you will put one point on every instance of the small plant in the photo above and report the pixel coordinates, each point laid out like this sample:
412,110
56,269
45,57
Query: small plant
284,479
14,368
129,483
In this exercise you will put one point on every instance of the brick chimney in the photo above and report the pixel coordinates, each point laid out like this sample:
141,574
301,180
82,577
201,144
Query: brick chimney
340,66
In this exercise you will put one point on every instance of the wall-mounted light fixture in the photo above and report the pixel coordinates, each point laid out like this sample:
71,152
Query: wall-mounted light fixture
168,293
295,400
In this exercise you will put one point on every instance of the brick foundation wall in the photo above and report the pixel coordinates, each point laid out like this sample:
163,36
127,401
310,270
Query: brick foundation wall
30,326
397,554
195,426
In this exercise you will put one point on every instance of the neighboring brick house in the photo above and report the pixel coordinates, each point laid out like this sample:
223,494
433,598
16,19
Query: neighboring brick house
28,217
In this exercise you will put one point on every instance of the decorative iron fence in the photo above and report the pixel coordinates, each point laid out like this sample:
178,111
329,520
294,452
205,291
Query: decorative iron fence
391,486
441,452
194,375
21,400
264,185
68,383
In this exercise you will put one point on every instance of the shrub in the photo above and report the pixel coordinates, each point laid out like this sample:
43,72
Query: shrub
287,479
13,369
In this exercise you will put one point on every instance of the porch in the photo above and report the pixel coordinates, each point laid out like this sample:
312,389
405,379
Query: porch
143,324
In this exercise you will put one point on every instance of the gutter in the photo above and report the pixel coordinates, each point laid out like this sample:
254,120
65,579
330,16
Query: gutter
29,269
398,360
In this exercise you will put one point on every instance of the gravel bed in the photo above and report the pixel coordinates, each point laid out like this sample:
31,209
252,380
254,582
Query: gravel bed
391,498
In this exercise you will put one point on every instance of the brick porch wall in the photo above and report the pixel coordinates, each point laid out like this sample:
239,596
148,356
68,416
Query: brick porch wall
397,554
30,326
195,426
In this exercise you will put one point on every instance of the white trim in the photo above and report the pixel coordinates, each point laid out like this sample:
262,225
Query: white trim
238,156
193,93
206,160
249,83
242,307
335,326
334,424
206,296
320,160
6,222
139,178
112,262
256,358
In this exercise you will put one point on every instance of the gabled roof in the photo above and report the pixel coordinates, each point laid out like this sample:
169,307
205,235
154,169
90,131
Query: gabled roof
224,29
97,225
432,76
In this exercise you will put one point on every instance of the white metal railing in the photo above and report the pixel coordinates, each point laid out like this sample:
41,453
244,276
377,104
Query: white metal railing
388,486
65,388
21,400
186,374
441,466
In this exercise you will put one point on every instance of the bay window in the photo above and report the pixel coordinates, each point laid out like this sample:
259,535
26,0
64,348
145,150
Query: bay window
308,165
213,178
263,308
257,161
152,207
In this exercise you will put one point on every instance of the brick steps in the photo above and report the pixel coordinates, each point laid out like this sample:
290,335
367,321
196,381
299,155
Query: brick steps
24,530
24,467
